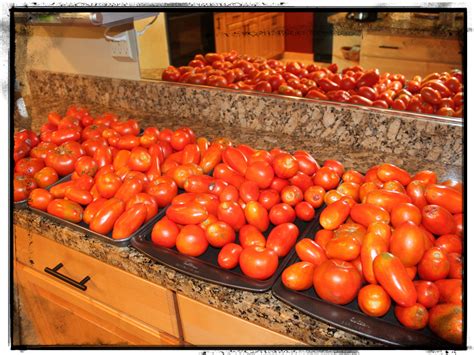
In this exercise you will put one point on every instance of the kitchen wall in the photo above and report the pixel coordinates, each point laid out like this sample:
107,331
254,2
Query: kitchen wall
69,49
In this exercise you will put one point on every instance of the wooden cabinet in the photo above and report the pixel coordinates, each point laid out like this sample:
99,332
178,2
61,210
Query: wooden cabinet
116,308
255,34
204,325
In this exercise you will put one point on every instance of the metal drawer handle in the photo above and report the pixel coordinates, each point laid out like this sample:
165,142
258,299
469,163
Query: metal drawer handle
54,272
389,47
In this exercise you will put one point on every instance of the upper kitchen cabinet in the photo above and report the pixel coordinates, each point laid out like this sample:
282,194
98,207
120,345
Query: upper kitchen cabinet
256,34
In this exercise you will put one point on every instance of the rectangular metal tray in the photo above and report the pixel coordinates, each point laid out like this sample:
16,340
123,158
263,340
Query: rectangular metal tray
350,318
83,227
205,267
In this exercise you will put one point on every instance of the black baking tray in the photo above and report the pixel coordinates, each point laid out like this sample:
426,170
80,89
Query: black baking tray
205,267
350,318
83,227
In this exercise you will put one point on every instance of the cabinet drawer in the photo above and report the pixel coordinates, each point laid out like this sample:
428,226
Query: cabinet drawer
61,315
118,289
204,325
233,17
411,48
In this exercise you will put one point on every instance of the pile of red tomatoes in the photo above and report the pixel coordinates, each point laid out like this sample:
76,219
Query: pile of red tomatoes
436,93
389,237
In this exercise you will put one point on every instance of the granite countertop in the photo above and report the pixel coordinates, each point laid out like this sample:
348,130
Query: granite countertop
260,308
398,23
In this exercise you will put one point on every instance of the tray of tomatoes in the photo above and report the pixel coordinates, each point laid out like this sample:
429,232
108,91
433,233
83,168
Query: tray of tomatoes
237,227
435,94
386,260
224,266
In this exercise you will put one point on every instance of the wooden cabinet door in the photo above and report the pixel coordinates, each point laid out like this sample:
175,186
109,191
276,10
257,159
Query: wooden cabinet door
219,32
235,38
277,38
63,316
252,37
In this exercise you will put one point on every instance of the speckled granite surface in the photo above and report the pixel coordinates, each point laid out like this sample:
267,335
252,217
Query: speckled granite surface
262,122
397,25
426,138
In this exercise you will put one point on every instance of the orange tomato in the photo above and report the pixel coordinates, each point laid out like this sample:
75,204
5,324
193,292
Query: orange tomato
335,214
407,243
366,213
373,300
298,276
413,317
372,245
388,172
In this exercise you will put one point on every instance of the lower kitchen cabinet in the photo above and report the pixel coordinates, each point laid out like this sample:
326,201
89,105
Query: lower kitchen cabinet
204,325
116,308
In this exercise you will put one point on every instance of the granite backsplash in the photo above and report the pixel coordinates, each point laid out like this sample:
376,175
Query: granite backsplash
425,138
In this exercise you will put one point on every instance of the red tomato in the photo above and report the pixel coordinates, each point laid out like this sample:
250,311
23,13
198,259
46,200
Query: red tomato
450,291
455,266
326,178
343,247
444,196
257,215
46,177
431,95
304,211
282,238
278,184
337,281
374,301
129,221
322,237
260,172
68,210
282,213
314,195
82,197
163,190
437,220
269,198
105,218
298,276
393,277
250,236
291,195
373,244
108,184
191,241
413,317
428,293
249,191
285,165
366,213
416,191
231,213
434,265
386,199
449,243
29,166
258,262
407,243
405,212
302,181
310,251
219,234
446,321
224,172
235,159
40,199
190,213
228,257
164,233
388,172
335,214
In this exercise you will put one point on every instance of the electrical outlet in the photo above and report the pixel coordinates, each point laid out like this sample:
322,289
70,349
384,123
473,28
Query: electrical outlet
126,49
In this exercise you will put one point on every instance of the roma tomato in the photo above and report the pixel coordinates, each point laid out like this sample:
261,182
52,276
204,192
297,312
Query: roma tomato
335,214
82,197
373,300
427,293
164,233
444,196
129,221
438,220
350,189
128,189
434,265
46,177
228,257
219,234
260,172
337,281
413,317
301,180
92,209
249,191
388,172
61,160
198,183
108,184
211,158
455,266
139,160
386,199
228,193
224,172
85,165
68,210
407,243
309,250
304,211
450,291
343,247
285,165
250,236
322,237
366,214
449,243
416,191
235,159
405,212
258,262
393,277
446,321
231,213
104,220
29,166
291,195
282,213
327,178
306,163
298,276
269,198
190,213
40,199
163,190
22,186
257,215
372,245
191,241
282,238
314,195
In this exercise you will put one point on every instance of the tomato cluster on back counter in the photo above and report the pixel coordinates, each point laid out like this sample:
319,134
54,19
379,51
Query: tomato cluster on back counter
437,93
388,236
